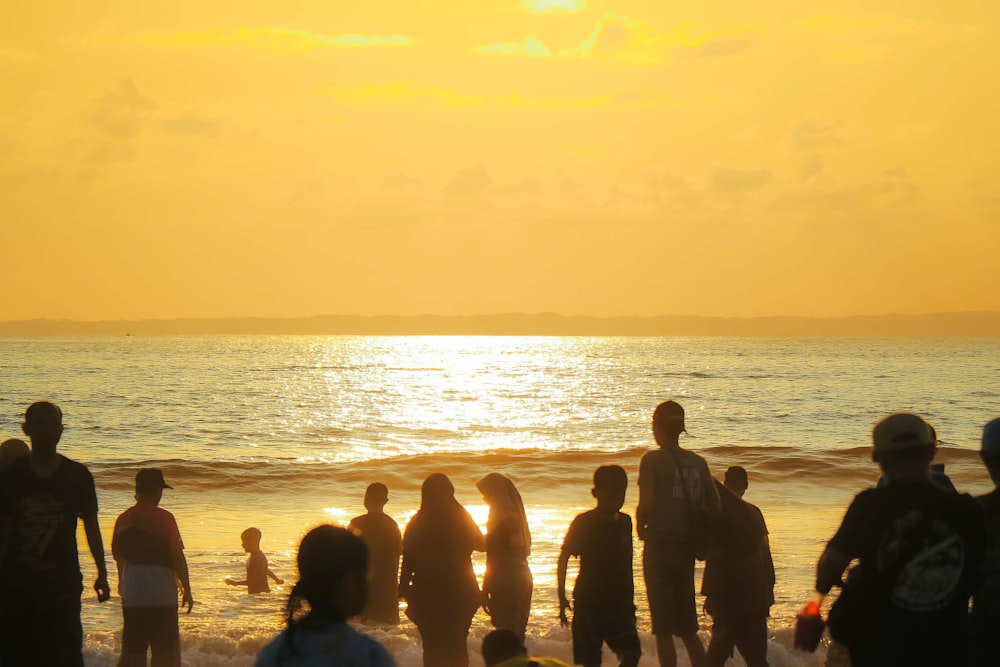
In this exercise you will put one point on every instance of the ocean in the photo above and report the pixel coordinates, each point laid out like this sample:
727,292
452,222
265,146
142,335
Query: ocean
285,432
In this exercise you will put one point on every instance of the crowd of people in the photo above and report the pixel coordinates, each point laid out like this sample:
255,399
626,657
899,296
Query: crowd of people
923,551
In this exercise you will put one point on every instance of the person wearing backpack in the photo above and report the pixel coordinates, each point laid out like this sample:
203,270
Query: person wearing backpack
920,552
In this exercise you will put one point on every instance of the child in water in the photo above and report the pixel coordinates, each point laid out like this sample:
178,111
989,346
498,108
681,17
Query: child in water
333,570
257,568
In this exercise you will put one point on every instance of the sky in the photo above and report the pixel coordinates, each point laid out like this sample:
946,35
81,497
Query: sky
454,157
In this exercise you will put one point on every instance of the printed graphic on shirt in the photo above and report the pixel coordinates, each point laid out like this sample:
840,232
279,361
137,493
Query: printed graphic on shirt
929,556
38,525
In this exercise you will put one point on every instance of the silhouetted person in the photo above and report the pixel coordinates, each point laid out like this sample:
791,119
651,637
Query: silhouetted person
148,549
986,602
739,577
437,580
381,533
41,498
603,595
503,648
507,584
13,449
258,570
938,475
676,496
333,571
920,552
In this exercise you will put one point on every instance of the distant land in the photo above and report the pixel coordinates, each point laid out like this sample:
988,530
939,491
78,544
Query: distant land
939,325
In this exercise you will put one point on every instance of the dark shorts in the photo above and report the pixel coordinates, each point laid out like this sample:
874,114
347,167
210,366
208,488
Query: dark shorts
668,569
152,628
594,626
40,630
748,634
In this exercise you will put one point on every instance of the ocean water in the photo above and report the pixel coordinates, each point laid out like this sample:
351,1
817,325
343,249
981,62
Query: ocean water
285,432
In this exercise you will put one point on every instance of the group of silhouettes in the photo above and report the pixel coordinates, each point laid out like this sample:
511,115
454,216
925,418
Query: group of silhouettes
922,551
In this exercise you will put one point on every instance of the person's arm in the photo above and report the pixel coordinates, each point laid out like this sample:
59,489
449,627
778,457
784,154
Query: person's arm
405,574
561,583
181,570
647,495
96,543
830,569
274,577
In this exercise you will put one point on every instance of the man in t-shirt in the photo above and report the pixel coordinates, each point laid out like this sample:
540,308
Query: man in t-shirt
41,498
603,602
739,577
677,497
149,552
920,550
385,546
986,602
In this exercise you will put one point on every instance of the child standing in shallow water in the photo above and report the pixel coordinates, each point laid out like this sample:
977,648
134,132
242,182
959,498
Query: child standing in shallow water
258,571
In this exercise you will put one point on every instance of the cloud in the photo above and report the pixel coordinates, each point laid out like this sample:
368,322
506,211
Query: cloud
529,47
469,182
811,137
725,179
542,6
108,152
274,40
394,93
724,47
636,42
191,123
400,181
122,111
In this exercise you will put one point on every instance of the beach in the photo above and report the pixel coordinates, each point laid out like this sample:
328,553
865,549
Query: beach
285,432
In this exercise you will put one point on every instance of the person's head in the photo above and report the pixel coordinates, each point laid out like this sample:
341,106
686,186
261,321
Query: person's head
502,644
668,423
250,539
736,480
149,485
903,445
333,567
43,426
11,450
376,496
436,492
610,483
990,449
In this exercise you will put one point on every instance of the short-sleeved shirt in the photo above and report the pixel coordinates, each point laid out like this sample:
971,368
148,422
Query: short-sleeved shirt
145,536
929,542
42,550
670,519
604,546
339,644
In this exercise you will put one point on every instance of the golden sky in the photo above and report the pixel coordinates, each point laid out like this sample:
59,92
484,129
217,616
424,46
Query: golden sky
631,157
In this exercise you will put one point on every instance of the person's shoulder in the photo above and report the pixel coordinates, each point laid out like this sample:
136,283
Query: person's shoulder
271,652
371,649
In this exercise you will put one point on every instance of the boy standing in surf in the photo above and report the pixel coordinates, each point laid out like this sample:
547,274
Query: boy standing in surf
385,546
258,571
603,596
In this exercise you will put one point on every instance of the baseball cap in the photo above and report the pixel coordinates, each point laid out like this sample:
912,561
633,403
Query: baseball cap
150,478
991,437
901,431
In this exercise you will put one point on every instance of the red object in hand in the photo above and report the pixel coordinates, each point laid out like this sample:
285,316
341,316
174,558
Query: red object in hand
809,626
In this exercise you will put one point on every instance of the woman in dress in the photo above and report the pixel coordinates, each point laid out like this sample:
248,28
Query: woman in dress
437,580
507,584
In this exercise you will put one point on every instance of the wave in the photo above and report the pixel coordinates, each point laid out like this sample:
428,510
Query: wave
538,468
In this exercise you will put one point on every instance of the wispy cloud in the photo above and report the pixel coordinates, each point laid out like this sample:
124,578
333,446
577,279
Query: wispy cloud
444,97
542,6
636,42
121,111
277,40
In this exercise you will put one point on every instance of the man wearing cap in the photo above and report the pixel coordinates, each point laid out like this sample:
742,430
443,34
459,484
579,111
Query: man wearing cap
986,601
41,499
920,550
149,552
677,498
